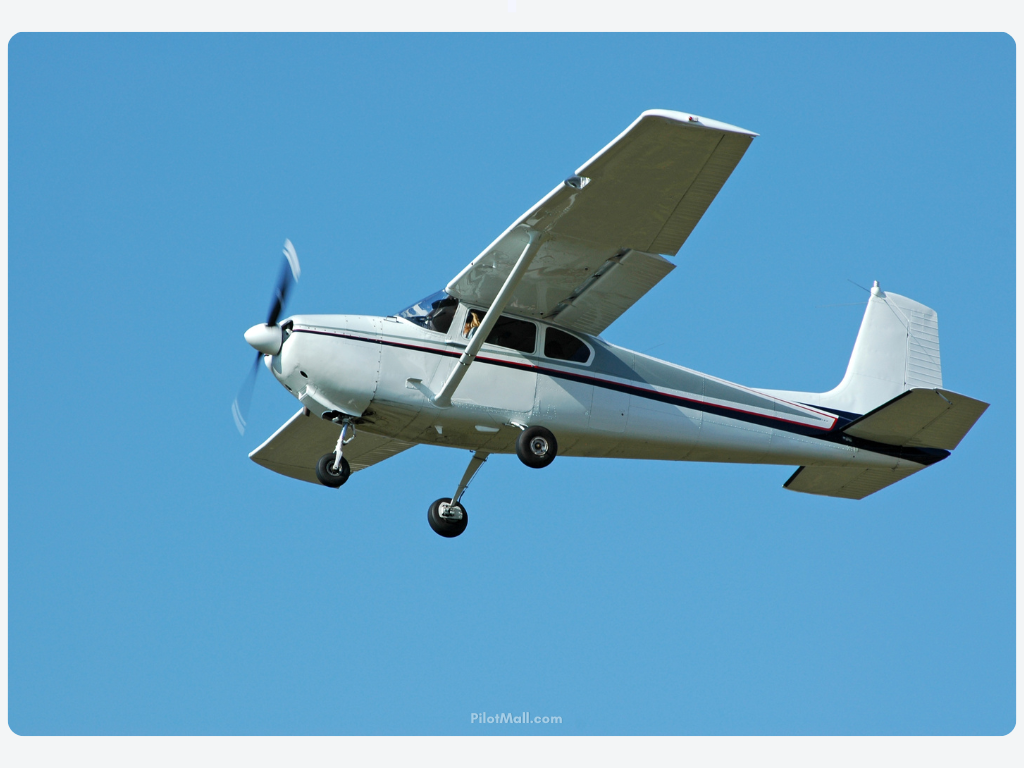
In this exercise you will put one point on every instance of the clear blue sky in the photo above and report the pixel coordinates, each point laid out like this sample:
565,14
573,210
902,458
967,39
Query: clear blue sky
161,583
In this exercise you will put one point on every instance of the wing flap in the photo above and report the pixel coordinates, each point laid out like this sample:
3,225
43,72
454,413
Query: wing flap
846,482
923,418
598,303
296,447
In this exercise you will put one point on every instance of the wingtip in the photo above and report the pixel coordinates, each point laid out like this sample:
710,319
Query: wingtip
690,119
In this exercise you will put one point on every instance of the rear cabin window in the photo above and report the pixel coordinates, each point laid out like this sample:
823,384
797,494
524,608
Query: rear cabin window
520,335
559,345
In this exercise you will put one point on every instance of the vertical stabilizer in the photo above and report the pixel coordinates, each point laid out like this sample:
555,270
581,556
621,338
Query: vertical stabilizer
897,349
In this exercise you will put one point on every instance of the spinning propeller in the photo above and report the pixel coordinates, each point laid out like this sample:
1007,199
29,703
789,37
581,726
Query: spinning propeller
267,337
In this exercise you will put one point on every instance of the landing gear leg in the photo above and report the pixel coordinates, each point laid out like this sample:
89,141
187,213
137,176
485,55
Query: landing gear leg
448,517
333,470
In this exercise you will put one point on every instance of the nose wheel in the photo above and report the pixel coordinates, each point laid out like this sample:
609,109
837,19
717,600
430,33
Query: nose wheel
333,470
330,475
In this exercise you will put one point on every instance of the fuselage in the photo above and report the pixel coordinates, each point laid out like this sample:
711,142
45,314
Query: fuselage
617,403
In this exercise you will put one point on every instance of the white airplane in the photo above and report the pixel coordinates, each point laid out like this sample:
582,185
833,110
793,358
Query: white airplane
508,357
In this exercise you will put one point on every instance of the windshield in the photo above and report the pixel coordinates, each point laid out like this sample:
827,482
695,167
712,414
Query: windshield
435,313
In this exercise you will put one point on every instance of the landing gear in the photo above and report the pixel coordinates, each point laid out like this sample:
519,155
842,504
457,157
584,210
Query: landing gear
333,470
536,447
447,519
330,476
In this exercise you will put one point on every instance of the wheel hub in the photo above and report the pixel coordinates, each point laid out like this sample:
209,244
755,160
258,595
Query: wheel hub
539,446
449,511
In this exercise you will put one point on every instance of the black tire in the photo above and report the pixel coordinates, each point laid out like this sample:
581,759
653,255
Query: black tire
442,526
326,473
536,447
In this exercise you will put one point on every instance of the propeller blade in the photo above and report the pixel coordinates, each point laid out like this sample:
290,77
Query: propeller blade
289,276
240,407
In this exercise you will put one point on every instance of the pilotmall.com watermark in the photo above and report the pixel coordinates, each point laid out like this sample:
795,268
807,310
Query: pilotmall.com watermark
508,718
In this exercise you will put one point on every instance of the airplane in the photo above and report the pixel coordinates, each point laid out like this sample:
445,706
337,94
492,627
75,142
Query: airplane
508,357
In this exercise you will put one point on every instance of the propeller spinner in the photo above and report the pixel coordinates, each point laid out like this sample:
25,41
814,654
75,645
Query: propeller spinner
266,338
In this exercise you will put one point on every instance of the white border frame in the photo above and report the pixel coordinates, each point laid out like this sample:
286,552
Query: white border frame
512,15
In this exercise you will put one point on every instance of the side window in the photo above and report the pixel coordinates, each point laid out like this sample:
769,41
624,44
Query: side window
520,335
559,345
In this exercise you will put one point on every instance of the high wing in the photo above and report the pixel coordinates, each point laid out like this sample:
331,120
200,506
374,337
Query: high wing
606,227
297,446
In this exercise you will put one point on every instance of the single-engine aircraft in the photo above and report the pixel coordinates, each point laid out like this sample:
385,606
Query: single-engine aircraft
509,358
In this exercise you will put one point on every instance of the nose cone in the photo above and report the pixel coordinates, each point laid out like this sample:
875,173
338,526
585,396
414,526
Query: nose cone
265,338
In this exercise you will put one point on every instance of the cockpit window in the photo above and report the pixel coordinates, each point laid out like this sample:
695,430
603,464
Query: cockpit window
435,313
520,335
559,345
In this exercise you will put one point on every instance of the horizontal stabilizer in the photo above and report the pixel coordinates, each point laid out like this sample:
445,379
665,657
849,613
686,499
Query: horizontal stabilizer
298,445
921,418
846,482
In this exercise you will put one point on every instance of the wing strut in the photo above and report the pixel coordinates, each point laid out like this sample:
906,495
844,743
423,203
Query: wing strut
443,399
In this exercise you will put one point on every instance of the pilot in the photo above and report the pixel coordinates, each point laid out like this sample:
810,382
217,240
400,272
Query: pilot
472,323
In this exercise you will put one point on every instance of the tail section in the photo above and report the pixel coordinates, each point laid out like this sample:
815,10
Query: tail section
846,482
896,350
920,418
931,419
893,393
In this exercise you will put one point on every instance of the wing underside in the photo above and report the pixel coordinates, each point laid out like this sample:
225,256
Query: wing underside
297,446
607,226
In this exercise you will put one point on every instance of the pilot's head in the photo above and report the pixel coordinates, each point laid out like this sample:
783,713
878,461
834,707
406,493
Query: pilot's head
472,322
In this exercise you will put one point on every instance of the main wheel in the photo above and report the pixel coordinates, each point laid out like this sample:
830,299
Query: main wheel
446,526
536,447
328,475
